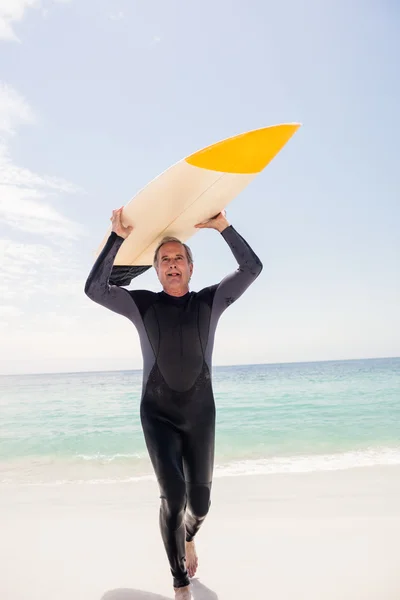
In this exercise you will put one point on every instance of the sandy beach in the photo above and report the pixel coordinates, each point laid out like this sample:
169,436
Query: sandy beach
306,536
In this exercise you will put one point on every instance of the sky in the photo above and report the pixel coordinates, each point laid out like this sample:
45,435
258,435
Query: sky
98,97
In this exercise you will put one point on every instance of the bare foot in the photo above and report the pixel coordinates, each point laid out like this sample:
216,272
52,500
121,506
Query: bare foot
183,593
191,559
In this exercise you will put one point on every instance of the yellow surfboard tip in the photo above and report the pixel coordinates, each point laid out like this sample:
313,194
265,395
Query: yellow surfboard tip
248,152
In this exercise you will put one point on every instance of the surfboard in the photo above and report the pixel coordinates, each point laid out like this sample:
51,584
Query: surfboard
191,191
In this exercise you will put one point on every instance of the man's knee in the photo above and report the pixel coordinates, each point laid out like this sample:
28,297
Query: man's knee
198,499
173,504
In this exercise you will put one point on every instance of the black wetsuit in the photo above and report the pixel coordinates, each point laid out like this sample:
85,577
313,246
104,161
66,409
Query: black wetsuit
177,405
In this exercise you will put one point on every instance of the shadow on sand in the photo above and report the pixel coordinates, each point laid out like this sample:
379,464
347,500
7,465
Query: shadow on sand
199,592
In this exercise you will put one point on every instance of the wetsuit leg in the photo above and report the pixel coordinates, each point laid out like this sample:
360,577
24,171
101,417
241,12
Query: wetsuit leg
198,462
164,444
179,429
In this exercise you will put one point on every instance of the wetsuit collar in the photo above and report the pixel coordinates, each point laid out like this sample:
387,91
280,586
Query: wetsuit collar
174,299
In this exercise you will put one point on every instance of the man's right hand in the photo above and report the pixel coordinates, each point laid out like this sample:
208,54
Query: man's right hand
116,224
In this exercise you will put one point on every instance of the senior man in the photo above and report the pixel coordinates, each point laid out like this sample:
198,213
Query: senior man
176,329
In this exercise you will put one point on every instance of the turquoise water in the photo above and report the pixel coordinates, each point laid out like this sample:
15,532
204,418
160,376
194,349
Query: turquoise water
85,427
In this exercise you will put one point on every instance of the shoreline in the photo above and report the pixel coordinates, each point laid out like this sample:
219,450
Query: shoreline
376,487
98,470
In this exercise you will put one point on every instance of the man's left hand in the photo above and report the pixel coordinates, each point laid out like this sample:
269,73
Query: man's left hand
218,222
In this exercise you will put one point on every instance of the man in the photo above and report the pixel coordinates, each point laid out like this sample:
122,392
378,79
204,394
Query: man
176,330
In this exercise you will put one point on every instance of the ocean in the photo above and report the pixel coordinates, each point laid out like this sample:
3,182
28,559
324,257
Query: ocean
58,429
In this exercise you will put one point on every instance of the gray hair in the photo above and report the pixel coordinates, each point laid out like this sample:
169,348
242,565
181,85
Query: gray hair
167,239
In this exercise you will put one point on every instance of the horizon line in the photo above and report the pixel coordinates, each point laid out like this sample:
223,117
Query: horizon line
219,366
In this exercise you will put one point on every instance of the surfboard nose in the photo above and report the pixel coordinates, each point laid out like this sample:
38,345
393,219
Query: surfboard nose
248,152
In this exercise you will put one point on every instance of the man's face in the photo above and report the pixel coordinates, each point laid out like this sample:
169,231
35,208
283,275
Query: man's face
173,268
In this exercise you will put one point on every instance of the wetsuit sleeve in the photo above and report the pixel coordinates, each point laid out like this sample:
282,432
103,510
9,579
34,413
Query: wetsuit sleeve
98,288
233,285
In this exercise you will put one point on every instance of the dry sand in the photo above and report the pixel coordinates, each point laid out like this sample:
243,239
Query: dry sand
313,536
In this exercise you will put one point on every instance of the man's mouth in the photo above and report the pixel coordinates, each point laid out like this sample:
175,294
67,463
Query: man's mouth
174,274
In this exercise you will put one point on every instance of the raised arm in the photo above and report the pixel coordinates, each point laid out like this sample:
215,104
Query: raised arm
97,286
249,265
